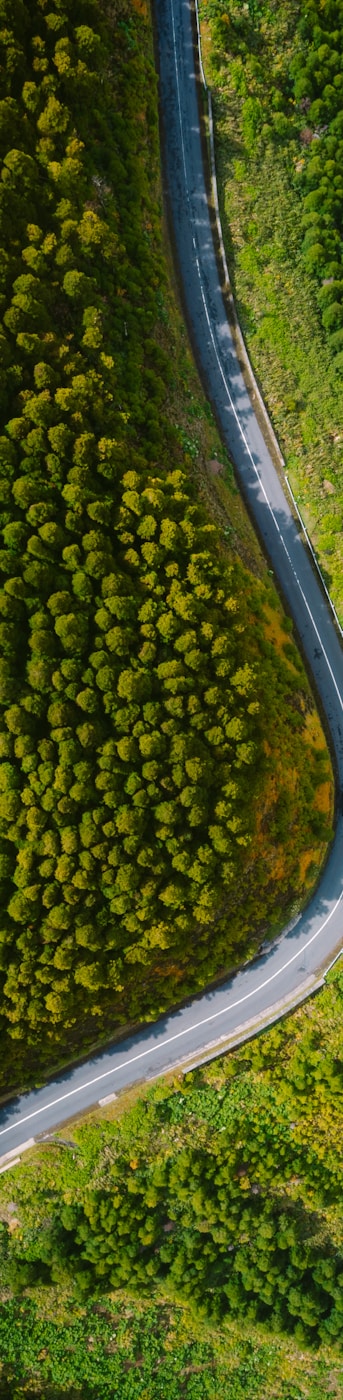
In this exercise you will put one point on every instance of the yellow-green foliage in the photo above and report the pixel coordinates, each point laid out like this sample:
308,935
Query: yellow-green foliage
221,1191
288,69
281,198
145,1350
135,694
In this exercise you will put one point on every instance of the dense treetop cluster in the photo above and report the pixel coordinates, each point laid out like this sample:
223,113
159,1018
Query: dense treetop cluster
154,797
127,705
133,706
222,1190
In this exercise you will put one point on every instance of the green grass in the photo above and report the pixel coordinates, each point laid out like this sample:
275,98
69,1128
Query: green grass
150,1351
261,1126
157,815
276,298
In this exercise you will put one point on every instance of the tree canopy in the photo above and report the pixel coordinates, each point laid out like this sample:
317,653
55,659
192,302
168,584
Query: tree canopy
134,699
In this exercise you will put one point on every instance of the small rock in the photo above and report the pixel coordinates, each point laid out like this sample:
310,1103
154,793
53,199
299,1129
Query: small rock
328,486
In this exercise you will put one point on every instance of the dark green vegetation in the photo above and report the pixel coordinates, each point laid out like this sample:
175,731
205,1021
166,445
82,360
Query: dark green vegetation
297,100
148,826
138,674
219,1195
146,820
148,1351
277,73
317,83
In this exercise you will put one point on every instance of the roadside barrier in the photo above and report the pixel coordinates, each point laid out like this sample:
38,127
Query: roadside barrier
238,332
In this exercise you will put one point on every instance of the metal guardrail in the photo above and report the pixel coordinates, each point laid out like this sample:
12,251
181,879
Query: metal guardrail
238,329
227,284
314,556
215,189
199,46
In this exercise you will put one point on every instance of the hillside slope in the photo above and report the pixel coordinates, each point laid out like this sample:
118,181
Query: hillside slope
157,814
276,75
188,1237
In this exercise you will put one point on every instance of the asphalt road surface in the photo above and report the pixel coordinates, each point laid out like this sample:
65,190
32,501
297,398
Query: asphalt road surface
317,935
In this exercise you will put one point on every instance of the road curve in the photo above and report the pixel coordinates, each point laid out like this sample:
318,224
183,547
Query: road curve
311,944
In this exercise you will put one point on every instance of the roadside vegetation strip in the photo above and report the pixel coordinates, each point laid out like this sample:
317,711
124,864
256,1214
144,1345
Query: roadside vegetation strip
314,556
243,353
220,1192
145,821
146,1347
241,1161
267,150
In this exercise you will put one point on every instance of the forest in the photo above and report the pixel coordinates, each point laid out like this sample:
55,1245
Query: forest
166,789
210,1203
276,72
147,823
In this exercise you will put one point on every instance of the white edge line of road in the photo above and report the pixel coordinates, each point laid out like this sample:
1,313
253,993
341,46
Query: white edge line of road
255,387
212,1049
232,405
24,1146
170,1040
262,486
232,1005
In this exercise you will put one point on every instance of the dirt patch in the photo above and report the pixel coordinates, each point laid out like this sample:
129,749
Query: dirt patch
306,860
322,800
215,468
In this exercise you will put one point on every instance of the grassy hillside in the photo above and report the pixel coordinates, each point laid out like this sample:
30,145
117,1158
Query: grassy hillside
276,71
150,1350
166,790
193,1229
148,824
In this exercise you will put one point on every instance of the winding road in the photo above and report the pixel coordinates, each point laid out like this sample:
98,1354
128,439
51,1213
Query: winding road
293,966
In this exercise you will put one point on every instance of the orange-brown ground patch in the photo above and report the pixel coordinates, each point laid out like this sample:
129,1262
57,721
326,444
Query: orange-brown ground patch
141,8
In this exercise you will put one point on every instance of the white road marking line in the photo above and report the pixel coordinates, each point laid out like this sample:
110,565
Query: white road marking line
169,1040
179,105
232,1005
232,405
261,484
